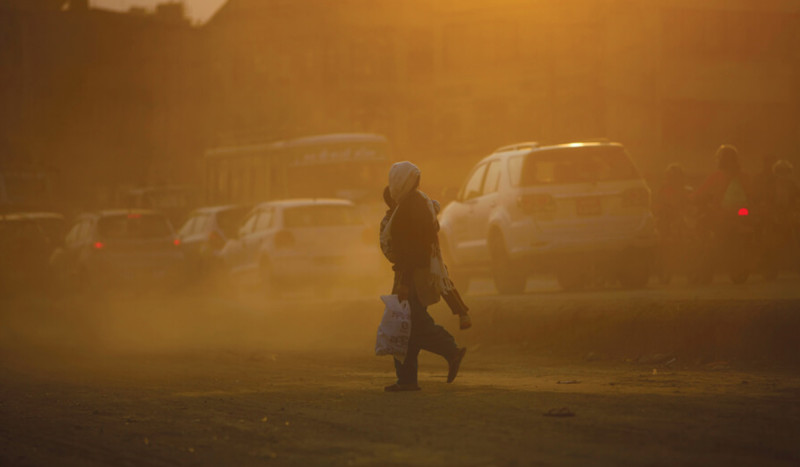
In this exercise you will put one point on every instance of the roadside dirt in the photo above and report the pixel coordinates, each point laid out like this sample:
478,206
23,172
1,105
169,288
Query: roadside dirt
256,408
205,381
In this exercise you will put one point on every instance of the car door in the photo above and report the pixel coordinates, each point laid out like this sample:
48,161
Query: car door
189,233
262,232
463,229
482,208
235,251
89,243
79,249
66,257
252,242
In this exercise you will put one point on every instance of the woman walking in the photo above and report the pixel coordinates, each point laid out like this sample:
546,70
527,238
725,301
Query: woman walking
413,233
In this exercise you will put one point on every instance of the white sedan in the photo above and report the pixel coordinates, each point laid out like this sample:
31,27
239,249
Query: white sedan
321,243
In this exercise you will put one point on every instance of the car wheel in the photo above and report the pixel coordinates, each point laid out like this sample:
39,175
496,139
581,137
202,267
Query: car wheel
507,279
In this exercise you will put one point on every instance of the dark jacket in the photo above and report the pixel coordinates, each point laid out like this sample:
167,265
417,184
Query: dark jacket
413,235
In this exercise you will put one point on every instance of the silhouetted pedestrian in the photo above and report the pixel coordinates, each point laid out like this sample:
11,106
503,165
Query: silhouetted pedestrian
413,232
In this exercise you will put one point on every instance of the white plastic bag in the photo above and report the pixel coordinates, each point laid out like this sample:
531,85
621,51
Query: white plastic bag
395,328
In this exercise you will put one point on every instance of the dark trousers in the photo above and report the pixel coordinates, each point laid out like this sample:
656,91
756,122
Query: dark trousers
425,335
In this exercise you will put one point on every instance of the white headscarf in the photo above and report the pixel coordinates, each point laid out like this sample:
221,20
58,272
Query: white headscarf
403,178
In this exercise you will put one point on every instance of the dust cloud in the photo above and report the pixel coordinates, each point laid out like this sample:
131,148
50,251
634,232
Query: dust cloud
614,325
214,315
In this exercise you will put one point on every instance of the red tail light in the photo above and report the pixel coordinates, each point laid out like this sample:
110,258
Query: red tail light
536,203
636,198
98,245
284,239
177,242
744,212
215,241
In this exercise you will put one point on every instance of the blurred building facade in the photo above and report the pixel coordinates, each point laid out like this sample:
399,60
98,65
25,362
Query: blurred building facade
100,100
453,79
109,99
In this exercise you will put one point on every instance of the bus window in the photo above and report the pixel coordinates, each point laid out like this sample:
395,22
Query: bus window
353,180
341,165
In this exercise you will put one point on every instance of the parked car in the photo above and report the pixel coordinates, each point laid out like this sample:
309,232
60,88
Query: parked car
579,210
120,247
205,233
26,241
322,243
174,201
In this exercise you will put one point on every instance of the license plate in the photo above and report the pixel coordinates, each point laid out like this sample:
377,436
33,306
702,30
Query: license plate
588,207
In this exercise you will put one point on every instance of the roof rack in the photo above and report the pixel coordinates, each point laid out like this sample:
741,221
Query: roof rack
518,146
601,139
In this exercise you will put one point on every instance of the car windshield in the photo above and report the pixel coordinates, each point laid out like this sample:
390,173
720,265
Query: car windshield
133,226
321,216
577,165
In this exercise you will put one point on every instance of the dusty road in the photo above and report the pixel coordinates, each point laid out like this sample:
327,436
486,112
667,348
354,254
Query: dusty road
693,377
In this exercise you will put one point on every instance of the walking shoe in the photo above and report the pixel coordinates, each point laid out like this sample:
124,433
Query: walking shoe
455,363
397,387
464,321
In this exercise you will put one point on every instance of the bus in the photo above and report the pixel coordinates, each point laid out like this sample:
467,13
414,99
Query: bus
351,166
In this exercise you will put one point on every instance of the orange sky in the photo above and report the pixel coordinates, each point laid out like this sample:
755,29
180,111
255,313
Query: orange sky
198,10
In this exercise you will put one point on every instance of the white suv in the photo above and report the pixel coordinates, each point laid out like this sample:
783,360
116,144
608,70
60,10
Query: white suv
581,210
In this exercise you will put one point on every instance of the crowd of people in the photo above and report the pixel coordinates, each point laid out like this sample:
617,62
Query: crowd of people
730,221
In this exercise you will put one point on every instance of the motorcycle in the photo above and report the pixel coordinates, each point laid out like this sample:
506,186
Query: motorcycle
725,241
